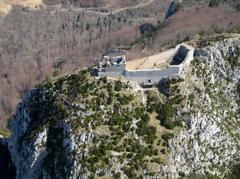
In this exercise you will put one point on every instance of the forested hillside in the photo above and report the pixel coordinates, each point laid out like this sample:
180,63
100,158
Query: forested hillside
79,126
43,39
98,3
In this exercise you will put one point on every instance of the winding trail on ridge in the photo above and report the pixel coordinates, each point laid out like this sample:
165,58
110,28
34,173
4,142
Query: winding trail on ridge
96,11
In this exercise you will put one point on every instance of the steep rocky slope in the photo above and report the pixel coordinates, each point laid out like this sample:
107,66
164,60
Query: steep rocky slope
210,142
80,126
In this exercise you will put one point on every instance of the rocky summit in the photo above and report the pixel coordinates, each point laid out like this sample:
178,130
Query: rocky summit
81,126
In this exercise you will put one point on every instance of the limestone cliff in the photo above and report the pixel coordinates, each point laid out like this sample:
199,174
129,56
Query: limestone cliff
79,127
210,141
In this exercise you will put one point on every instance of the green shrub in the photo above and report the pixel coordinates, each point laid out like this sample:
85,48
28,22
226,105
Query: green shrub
117,175
131,97
181,174
145,118
139,111
214,3
234,58
155,152
126,127
153,103
123,99
118,85
165,115
130,155
93,160
104,79
154,107
177,99
119,148
235,172
110,100
130,172
163,151
157,160
238,88
110,88
167,136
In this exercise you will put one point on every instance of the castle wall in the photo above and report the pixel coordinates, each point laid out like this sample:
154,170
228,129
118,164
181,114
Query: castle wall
180,55
151,76
184,55
115,71
111,74
116,68
189,57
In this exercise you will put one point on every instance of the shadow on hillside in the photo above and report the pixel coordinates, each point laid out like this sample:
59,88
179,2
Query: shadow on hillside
7,169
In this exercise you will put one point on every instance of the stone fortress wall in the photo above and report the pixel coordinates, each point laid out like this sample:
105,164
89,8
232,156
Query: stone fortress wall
151,76
178,61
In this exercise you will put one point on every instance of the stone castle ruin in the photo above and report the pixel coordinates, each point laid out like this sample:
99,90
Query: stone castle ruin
112,64
148,70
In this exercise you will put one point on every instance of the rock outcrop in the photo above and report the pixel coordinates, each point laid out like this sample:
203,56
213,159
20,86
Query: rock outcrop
210,143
